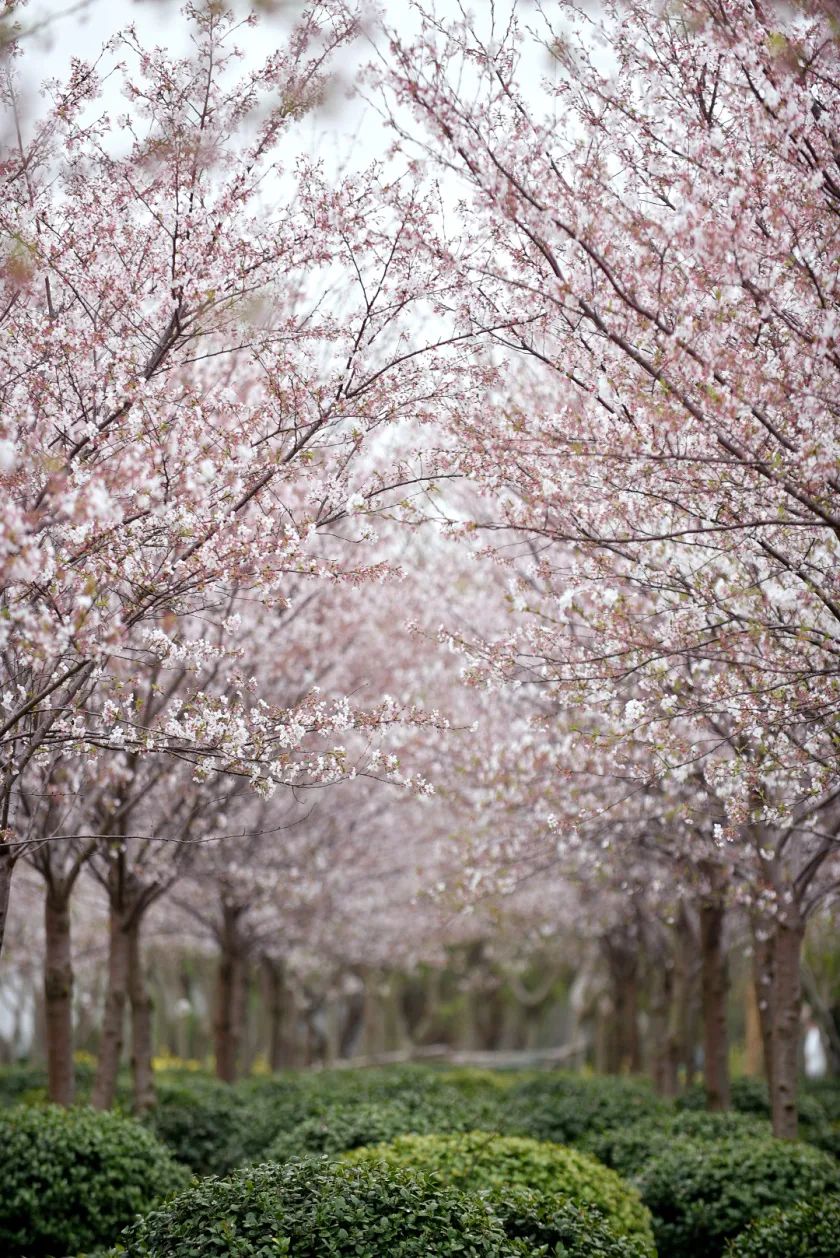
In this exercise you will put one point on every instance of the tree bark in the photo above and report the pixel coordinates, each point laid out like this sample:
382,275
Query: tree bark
6,869
714,988
626,1053
142,1074
764,977
784,1035
230,995
273,989
754,1048
58,997
664,1019
111,1041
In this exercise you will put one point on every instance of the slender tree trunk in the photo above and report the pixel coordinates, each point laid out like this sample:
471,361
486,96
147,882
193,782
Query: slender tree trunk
764,977
354,1015
606,1040
714,986
58,997
6,869
753,1064
111,1041
273,988
142,1074
626,1054
787,1010
230,996
664,1029
680,1020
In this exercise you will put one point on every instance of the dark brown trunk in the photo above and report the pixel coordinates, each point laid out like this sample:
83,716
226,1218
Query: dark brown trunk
681,1014
664,1042
714,988
625,1055
763,971
230,996
58,998
753,1048
351,1027
787,1011
6,869
275,1007
142,1074
111,1040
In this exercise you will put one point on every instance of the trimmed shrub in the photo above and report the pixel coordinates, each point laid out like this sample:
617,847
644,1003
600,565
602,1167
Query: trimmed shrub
545,1224
70,1180
479,1160
751,1096
202,1121
347,1126
703,1194
473,1081
319,1210
809,1230
627,1149
565,1107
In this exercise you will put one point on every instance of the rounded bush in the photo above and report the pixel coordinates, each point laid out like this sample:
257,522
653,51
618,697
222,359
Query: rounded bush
478,1160
702,1194
70,1180
565,1107
202,1121
809,1230
545,1224
627,1149
346,1126
315,1210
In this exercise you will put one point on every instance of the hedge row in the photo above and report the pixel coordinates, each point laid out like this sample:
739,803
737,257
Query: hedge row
696,1182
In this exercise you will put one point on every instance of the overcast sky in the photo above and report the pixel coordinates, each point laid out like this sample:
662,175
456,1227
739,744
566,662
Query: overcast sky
346,132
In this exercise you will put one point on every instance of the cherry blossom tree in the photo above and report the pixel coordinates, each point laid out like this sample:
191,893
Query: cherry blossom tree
203,343
662,220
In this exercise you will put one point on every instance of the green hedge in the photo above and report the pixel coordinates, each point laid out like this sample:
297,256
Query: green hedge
703,1194
808,1230
72,1179
319,1210
628,1149
545,1224
348,1126
565,1107
481,1160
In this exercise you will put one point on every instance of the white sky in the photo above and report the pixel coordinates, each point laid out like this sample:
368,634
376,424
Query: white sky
346,132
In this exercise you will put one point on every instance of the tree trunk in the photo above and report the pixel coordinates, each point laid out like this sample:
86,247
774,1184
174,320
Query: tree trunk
142,1074
58,997
626,1054
787,1010
714,986
764,972
753,1059
664,1017
230,996
681,1014
111,1040
273,989
6,869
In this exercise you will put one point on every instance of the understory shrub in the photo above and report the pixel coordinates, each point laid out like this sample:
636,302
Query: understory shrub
546,1224
202,1121
348,1126
70,1180
627,1149
808,1230
565,1107
478,1160
319,1210
702,1194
